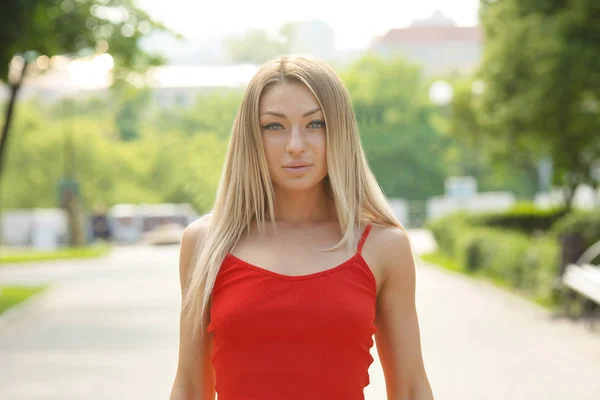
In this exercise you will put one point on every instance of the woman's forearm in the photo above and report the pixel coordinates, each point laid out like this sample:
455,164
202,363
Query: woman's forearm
422,392
180,393
419,392
188,391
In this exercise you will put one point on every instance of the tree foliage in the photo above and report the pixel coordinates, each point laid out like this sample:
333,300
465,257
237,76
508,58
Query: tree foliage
405,135
75,27
156,167
176,154
504,162
541,70
211,112
394,118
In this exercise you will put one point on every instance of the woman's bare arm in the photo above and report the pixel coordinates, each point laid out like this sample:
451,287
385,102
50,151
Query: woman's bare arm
398,338
195,375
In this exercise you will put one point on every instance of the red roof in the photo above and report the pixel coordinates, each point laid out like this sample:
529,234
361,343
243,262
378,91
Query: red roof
418,34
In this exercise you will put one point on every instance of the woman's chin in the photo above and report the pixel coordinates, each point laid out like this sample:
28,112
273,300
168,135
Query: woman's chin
301,184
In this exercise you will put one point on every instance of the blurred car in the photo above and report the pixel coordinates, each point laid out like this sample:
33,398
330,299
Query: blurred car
164,234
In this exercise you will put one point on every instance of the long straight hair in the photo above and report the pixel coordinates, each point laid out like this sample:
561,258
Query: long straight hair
245,192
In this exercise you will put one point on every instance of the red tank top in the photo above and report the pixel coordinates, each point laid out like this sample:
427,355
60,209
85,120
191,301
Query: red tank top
305,337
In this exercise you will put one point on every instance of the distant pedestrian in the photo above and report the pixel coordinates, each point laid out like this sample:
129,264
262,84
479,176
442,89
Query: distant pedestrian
100,225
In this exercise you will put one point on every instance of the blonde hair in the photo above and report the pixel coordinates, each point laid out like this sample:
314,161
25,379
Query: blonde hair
245,192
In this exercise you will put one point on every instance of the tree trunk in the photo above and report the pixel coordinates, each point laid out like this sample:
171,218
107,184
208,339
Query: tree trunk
569,196
10,107
75,221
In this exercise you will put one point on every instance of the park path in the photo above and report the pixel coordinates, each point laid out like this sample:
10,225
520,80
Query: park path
108,329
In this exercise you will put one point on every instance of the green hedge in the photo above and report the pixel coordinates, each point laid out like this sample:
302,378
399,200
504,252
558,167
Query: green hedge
524,262
524,217
587,224
510,247
448,229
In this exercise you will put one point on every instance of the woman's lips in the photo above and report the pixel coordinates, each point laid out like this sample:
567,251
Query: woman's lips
297,169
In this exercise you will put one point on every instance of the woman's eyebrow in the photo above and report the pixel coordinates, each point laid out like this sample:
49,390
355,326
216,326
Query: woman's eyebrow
280,115
306,114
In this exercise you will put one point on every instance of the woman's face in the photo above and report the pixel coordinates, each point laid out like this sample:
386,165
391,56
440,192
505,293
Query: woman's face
294,136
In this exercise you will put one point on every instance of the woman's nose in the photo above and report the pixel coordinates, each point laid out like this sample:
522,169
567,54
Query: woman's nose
296,141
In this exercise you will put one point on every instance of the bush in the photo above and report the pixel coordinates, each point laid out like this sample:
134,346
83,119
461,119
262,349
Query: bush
524,262
448,229
524,217
586,224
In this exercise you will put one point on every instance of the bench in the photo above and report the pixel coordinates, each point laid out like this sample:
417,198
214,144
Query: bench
582,280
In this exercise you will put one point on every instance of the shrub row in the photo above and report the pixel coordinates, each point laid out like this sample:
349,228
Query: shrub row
524,262
585,224
520,248
524,217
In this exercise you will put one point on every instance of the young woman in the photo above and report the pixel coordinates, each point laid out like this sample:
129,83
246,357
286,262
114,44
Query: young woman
301,261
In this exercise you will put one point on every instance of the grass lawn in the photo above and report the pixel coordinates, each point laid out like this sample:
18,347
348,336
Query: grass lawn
8,256
443,261
13,295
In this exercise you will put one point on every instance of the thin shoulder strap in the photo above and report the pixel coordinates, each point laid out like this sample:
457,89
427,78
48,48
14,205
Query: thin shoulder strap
361,243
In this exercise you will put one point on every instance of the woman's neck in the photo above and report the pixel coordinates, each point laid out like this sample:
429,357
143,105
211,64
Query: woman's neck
303,207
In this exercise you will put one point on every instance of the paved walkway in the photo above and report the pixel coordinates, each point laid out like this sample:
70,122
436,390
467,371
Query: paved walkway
109,329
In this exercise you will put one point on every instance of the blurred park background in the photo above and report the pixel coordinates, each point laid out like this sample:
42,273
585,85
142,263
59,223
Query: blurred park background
480,119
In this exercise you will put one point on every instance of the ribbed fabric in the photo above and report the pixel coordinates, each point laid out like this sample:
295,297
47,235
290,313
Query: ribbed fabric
280,337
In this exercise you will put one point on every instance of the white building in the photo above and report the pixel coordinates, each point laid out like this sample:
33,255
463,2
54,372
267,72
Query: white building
436,43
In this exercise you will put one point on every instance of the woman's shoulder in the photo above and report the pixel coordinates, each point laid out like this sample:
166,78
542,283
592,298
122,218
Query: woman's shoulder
196,230
385,236
388,245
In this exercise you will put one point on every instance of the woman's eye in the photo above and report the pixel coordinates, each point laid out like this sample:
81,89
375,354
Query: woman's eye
274,126
317,125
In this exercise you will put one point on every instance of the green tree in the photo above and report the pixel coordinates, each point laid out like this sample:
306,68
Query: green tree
499,163
395,121
132,103
74,28
29,28
541,71
155,168
211,112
